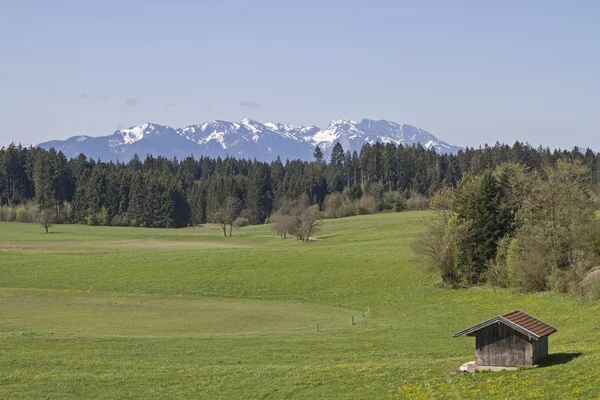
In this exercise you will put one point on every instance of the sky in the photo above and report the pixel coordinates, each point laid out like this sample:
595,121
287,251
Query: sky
470,72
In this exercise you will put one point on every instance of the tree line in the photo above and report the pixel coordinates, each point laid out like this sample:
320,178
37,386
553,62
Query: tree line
161,192
511,226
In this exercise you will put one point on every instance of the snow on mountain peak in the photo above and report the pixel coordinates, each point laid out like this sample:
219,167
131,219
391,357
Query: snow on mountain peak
247,138
341,122
137,133
133,134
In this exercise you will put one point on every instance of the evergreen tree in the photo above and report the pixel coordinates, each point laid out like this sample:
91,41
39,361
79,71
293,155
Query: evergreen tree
337,155
318,154
44,188
478,207
259,198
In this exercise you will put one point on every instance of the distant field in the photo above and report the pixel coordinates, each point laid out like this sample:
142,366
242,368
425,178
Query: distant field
106,312
84,312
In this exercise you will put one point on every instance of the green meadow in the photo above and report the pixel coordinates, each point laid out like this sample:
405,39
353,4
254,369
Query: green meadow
108,312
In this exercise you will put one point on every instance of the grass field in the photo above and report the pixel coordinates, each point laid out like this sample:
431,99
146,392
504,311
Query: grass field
103,312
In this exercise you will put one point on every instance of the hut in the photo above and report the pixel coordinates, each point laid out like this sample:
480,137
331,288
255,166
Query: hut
512,340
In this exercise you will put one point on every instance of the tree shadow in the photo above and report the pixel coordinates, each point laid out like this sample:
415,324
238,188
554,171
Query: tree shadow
558,359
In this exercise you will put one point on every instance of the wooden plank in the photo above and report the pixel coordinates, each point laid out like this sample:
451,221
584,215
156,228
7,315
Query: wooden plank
501,346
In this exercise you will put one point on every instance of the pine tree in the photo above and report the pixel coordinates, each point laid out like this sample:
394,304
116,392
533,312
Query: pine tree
337,155
44,188
478,207
259,198
318,154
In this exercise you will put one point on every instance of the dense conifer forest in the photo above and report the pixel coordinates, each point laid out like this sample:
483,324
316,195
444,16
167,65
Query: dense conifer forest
159,192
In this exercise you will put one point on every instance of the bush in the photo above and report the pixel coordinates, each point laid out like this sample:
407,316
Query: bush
376,190
31,213
438,248
559,281
7,214
332,204
64,214
20,214
497,273
348,209
103,218
417,202
367,204
337,205
120,220
27,213
240,222
355,192
91,220
528,265
393,201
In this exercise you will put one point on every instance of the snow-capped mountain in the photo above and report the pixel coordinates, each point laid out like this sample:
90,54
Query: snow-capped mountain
353,134
246,139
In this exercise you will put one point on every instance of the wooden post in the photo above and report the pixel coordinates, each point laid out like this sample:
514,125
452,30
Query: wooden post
353,320
318,328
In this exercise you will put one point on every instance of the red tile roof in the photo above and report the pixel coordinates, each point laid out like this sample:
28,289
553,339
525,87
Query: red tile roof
519,321
530,323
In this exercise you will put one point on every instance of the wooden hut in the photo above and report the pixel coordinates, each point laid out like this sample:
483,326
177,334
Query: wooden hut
511,340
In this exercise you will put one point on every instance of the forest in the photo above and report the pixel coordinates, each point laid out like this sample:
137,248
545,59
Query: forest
511,226
44,186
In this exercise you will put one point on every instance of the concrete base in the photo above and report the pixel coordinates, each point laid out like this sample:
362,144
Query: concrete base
495,369
472,366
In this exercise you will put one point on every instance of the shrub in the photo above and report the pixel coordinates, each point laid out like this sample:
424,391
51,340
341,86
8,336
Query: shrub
497,273
348,209
240,222
91,220
63,215
355,192
560,281
393,201
120,220
20,214
438,248
27,213
527,264
33,212
376,189
417,202
7,213
367,204
337,205
332,205
103,218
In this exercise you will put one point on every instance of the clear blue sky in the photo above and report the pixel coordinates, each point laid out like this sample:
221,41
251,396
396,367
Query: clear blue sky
468,72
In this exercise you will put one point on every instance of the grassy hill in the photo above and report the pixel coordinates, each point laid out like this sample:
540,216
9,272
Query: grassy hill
103,312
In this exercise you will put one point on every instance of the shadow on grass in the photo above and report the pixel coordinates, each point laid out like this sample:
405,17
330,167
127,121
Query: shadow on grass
558,359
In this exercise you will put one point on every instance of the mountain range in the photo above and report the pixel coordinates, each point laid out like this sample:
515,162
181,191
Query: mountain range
245,139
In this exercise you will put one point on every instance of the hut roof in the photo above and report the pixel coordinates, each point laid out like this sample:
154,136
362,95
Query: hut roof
519,321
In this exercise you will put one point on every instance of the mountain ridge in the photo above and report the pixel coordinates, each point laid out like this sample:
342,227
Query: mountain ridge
246,139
